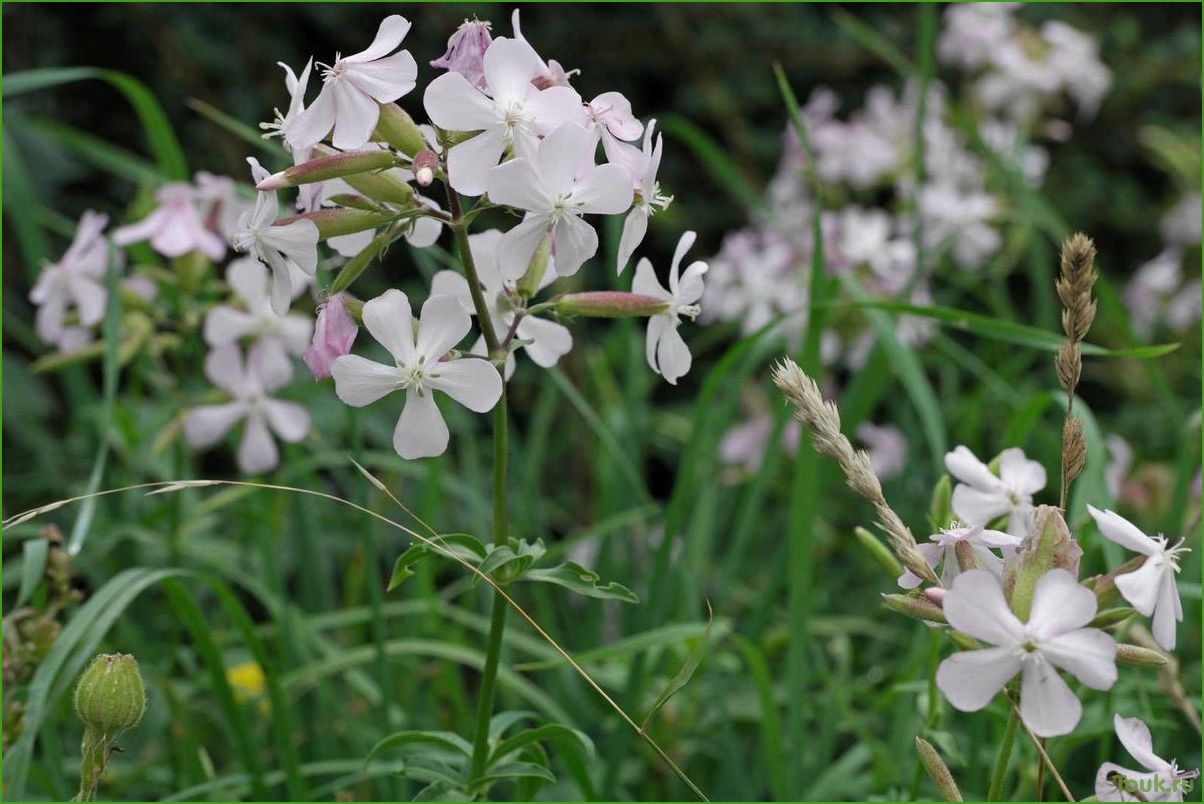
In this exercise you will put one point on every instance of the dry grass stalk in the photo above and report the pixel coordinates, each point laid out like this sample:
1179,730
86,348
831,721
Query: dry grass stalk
823,419
1074,286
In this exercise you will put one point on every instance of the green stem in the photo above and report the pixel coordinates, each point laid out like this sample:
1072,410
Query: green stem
999,774
459,229
497,619
95,750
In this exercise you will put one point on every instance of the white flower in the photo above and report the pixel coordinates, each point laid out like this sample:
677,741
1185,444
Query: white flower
642,164
513,114
980,496
666,351
556,185
551,75
611,113
296,86
175,227
277,336
418,368
74,281
219,202
1162,781
1053,638
354,88
249,384
545,342
942,546
1150,588
281,248
1120,461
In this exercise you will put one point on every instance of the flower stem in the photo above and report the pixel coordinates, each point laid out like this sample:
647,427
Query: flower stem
95,757
497,618
999,774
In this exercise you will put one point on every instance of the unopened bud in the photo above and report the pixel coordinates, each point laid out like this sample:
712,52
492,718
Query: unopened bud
609,304
940,511
915,605
332,166
879,552
334,334
1140,657
936,594
426,164
938,771
338,222
380,184
397,128
110,697
532,279
1048,546
1109,617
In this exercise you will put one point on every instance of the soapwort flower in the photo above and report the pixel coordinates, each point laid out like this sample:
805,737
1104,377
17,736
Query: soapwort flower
1161,780
75,281
1151,588
354,88
664,347
1055,637
249,384
942,548
981,496
420,367
175,227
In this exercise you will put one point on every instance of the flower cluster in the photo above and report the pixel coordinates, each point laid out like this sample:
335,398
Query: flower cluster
1159,292
513,143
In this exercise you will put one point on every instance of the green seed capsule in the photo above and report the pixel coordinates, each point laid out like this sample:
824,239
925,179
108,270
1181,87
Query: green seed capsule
110,697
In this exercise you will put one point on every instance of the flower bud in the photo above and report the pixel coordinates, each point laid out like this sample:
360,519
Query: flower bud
938,771
936,594
1140,657
531,281
110,697
609,304
466,52
1048,545
333,166
397,128
879,552
915,605
388,184
334,334
425,166
941,509
1109,617
338,222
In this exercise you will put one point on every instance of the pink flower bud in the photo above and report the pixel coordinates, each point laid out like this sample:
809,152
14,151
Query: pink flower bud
334,333
466,52
609,304
936,594
424,167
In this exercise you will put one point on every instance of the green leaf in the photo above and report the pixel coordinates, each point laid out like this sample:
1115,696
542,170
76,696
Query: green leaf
549,732
446,740
1011,331
463,545
683,675
577,578
22,208
101,153
33,566
507,563
873,41
232,124
514,770
159,135
355,266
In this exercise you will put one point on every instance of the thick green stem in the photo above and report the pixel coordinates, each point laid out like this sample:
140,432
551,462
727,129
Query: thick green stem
999,774
459,229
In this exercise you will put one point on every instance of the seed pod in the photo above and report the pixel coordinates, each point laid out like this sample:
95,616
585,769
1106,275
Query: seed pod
110,697
609,304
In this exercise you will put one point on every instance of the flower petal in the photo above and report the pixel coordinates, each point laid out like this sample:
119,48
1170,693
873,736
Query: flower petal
451,283
389,33
975,606
672,355
359,381
313,124
1167,612
549,341
421,431
1142,586
1135,737
604,189
1019,473
388,319
969,679
355,116
1088,654
442,324
517,184
635,226
573,241
964,466
453,104
1059,605
519,245
387,79
510,67
470,162
289,420
224,368
1047,706
471,381
206,425
1116,528
977,507
563,155
257,452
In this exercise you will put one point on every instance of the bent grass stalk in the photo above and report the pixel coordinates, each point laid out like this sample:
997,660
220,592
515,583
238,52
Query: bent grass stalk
172,486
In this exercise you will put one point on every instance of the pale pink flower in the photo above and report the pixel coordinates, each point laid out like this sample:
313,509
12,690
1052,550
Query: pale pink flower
642,165
353,89
1055,637
420,367
556,185
249,385
665,349
75,281
941,548
334,335
175,227
1160,781
466,52
981,496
